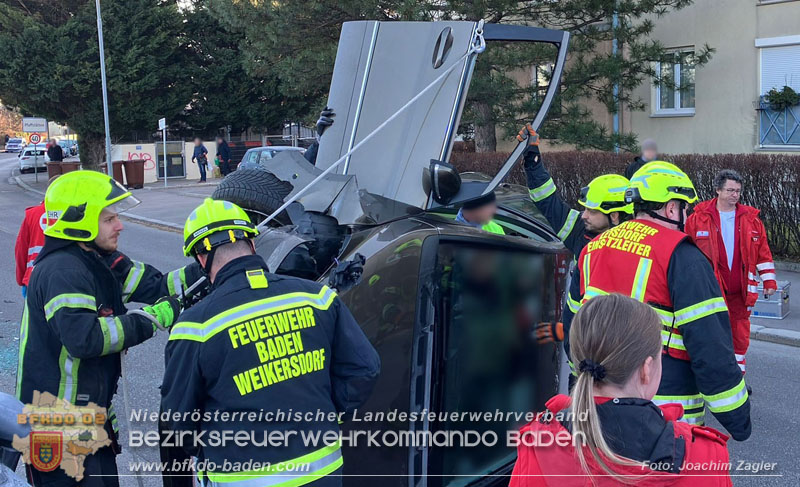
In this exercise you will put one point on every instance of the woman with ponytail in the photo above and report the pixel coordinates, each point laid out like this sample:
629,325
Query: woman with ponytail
608,432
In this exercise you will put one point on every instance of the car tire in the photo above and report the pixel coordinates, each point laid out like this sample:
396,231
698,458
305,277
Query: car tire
257,191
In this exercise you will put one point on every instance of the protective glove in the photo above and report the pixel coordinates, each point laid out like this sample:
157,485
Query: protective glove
325,120
165,311
531,152
549,332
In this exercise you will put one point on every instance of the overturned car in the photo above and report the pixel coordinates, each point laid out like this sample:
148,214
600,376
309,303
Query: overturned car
449,307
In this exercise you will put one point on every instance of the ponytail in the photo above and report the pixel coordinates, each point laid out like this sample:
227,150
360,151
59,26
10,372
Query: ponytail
611,337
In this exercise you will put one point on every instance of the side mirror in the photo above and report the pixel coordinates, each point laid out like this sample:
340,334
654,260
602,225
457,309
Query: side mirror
442,181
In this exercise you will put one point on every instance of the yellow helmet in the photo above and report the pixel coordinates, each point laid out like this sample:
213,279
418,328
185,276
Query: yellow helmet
74,201
606,194
214,223
659,182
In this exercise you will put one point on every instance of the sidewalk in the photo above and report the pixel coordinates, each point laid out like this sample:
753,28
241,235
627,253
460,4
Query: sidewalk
168,209
164,207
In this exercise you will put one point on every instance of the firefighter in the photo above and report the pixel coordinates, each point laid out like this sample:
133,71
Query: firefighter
621,435
262,343
733,238
651,260
604,207
75,324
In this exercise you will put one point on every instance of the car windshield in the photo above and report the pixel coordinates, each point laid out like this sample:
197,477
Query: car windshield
14,141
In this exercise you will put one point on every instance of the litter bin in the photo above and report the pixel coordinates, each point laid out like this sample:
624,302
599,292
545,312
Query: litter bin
54,169
134,171
116,169
69,167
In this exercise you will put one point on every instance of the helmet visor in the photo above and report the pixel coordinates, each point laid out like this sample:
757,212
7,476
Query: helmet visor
124,204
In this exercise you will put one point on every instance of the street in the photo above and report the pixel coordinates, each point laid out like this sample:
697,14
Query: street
772,368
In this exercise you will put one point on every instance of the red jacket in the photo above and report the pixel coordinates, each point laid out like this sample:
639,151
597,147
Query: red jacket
29,241
703,228
551,464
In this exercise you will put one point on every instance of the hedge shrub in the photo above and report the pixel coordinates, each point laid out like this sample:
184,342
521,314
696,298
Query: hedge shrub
771,182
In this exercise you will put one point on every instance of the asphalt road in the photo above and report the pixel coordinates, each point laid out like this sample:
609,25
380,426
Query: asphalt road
772,369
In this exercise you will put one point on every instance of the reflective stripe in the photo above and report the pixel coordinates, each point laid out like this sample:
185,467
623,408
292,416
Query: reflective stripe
68,385
29,264
176,281
694,418
752,276
586,269
667,317
73,300
573,305
699,310
592,292
569,224
112,415
640,279
672,340
742,366
201,332
113,334
739,357
768,276
728,400
290,473
691,401
766,266
132,281
543,191
34,250
23,342
752,289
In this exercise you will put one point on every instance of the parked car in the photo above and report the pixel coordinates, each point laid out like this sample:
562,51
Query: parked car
33,157
450,308
260,156
15,144
70,147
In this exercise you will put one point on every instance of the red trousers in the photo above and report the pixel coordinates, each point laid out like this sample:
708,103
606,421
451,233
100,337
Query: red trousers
740,327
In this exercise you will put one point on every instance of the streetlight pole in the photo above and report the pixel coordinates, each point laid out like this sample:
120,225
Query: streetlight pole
103,80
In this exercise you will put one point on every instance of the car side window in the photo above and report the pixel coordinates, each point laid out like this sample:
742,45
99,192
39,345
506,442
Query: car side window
252,156
487,356
265,156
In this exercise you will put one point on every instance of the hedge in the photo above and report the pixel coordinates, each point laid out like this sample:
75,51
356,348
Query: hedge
771,182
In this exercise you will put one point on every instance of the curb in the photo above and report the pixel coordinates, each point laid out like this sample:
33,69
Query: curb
180,186
171,227
787,266
775,335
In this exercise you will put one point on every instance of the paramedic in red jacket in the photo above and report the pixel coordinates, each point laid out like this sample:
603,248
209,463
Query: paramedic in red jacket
616,343
733,238
29,242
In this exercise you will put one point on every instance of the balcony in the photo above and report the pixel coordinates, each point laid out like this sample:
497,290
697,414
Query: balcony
778,128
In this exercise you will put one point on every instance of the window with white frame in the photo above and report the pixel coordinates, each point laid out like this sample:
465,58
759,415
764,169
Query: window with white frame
674,87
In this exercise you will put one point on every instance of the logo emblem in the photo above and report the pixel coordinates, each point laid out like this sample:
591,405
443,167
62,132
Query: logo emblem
46,449
702,233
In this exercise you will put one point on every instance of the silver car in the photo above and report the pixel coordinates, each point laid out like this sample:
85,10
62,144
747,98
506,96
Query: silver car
258,157
15,144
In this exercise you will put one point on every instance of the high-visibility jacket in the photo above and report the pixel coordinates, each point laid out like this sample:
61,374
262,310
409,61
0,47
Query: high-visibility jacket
703,227
660,267
565,221
634,428
258,347
74,323
29,242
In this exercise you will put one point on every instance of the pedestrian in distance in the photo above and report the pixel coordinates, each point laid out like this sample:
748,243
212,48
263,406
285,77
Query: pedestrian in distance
611,431
224,155
650,259
200,157
75,324
54,151
649,153
733,238
262,342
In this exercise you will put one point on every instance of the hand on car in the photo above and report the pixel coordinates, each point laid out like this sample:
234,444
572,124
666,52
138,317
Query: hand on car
549,332
325,120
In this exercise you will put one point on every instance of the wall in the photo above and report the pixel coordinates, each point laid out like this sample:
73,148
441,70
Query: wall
127,152
726,90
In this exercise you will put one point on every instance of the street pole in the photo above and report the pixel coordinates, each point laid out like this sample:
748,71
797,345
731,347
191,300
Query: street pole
165,155
103,80
614,26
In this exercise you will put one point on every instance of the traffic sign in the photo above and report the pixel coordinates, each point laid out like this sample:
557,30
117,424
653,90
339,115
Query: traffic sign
32,124
162,123
35,138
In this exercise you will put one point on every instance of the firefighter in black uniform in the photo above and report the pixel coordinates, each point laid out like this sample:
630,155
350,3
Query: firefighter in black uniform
257,347
604,207
75,324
